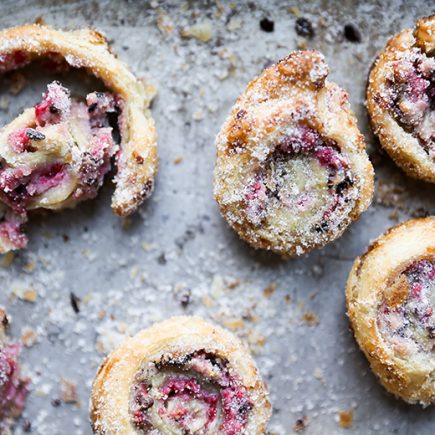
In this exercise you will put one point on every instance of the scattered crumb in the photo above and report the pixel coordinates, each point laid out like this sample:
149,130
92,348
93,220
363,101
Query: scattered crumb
318,373
198,115
8,259
147,246
40,20
207,301
234,324
68,391
310,318
234,24
295,11
390,195
26,294
165,24
302,44
29,337
270,289
301,424
345,419
178,160
30,266
202,31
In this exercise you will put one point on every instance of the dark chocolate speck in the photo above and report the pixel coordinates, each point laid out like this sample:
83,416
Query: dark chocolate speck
267,25
352,33
304,28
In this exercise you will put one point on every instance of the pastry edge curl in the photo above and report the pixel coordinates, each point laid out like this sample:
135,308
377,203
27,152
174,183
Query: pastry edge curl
86,48
308,73
413,383
176,335
402,147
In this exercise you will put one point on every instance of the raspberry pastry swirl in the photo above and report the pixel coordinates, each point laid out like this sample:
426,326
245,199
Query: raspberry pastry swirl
292,171
390,302
401,99
137,158
181,376
13,388
52,156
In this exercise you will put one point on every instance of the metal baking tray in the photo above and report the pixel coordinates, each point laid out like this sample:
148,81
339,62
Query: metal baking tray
177,255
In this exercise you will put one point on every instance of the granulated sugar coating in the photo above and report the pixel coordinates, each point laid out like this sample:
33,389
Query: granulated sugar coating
177,255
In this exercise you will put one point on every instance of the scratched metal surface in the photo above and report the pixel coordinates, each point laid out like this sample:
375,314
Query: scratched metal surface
129,274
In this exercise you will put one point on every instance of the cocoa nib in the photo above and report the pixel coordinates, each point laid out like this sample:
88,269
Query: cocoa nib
75,302
304,28
33,134
267,25
352,33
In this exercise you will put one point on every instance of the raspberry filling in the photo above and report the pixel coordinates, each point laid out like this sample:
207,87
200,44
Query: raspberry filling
195,393
303,183
406,318
412,94
14,60
13,389
54,156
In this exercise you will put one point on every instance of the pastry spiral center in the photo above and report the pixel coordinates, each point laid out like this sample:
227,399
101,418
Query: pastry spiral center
406,318
412,89
301,185
193,394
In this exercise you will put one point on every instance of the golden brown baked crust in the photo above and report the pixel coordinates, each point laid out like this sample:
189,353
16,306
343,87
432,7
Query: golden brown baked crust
168,340
86,48
407,135
385,283
292,101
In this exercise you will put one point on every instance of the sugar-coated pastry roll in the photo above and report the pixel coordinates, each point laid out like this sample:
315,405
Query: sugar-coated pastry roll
292,170
401,99
390,302
181,376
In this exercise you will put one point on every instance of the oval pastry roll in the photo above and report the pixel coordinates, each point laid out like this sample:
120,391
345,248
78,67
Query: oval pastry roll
137,158
291,170
390,303
181,376
401,99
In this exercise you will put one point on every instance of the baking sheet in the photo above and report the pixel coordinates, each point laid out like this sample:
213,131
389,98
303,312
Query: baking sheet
177,255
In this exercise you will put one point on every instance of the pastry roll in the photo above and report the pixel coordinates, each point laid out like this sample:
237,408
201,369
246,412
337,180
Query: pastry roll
13,388
53,156
401,99
137,157
292,171
390,303
181,376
